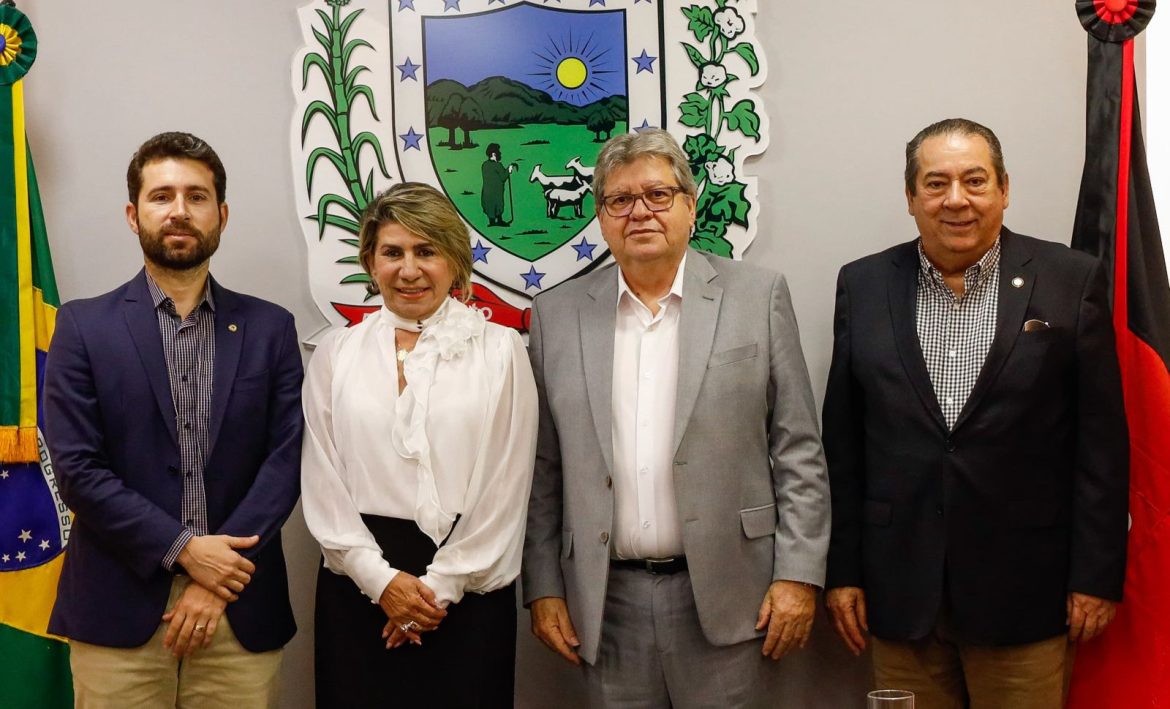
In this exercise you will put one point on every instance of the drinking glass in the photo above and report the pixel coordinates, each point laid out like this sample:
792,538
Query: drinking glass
889,699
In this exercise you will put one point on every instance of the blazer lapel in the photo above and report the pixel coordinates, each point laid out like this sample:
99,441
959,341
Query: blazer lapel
696,335
903,292
598,316
1014,267
229,339
142,322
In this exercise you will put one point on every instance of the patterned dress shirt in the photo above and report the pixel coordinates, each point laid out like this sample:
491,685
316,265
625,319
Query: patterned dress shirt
956,332
189,348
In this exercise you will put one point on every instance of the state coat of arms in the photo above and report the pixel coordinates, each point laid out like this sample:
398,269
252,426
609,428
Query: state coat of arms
503,105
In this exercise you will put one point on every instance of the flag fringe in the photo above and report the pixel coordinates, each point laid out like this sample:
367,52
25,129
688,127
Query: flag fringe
18,444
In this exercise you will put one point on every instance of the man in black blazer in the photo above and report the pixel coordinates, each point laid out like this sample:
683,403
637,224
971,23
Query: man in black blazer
172,412
977,444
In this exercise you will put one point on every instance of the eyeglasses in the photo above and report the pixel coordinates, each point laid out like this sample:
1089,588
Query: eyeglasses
658,199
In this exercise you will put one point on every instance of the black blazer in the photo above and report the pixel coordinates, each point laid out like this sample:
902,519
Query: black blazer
110,426
1024,500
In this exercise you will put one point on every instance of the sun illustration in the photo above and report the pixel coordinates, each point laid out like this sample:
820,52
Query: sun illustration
571,69
572,72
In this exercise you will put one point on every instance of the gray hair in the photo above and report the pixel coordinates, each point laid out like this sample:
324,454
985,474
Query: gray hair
621,150
953,126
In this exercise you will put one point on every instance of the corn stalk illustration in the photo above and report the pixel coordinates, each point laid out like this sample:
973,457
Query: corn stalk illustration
343,211
722,201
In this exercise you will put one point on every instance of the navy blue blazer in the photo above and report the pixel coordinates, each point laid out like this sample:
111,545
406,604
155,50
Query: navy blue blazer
996,520
110,429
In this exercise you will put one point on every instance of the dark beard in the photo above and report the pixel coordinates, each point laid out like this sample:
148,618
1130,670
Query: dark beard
156,251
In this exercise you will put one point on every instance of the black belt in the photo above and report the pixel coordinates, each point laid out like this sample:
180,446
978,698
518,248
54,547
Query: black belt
673,565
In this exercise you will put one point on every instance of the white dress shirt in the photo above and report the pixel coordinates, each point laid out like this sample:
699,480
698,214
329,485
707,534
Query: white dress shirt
645,385
459,440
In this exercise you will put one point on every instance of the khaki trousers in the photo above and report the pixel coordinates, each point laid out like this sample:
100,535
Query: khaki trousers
223,675
945,674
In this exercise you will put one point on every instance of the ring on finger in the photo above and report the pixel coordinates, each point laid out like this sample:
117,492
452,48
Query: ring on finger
408,626
200,628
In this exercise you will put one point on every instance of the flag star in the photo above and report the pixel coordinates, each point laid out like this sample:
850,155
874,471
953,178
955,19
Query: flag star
645,62
532,278
44,544
450,5
20,556
479,252
408,70
3,474
410,139
5,558
25,535
645,125
584,249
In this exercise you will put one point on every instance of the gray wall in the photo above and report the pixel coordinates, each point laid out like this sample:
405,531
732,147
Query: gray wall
850,82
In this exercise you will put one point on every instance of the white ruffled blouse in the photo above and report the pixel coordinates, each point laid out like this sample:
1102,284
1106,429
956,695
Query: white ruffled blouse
459,440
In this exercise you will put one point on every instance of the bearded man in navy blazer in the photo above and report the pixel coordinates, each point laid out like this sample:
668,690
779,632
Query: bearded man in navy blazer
977,445
172,409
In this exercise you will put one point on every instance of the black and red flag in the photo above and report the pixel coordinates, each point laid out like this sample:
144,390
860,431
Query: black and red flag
1129,665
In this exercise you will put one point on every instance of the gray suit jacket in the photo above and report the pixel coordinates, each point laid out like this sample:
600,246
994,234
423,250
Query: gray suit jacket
749,472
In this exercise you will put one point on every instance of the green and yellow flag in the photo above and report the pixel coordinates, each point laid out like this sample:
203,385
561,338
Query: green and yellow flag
34,523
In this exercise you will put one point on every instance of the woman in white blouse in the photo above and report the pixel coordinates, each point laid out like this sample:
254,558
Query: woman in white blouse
419,444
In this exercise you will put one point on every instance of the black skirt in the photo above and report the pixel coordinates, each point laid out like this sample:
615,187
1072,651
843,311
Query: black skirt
468,661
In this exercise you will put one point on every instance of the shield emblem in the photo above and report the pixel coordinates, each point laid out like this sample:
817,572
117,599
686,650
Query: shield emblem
505,111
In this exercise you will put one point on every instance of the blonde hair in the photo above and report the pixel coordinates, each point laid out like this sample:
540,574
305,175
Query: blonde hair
425,212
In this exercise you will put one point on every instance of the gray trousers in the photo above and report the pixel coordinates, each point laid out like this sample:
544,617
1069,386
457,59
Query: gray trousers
653,653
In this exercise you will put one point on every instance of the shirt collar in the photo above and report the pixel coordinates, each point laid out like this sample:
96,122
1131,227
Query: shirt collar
975,274
161,299
412,325
676,287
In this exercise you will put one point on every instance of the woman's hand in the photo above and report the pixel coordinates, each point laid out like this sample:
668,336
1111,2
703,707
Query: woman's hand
410,608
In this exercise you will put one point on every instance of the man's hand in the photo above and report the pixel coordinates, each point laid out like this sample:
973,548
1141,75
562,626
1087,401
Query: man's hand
1088,616
787,613
212,562
551,623
193,620
407,600
847,609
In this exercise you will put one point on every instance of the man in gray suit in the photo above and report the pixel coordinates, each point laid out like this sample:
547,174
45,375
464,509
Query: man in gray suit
679,518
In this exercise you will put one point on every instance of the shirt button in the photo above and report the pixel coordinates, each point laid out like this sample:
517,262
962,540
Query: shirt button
189,473
608,481
950,446
954,306
950,399
646,524
604,537
643,470
938,510
184,377
190,522
187,425
951,353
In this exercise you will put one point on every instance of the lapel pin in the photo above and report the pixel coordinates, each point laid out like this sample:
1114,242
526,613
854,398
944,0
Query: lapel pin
1017,282
232,327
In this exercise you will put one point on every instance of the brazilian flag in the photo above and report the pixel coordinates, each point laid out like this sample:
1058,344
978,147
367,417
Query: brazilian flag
34,524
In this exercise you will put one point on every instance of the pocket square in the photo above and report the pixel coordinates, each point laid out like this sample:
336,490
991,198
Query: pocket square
1036,325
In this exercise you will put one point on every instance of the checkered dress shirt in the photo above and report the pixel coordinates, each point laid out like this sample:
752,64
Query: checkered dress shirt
956,332
189,347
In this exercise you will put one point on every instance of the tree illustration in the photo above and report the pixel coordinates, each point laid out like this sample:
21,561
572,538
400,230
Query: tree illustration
459,112
600,121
